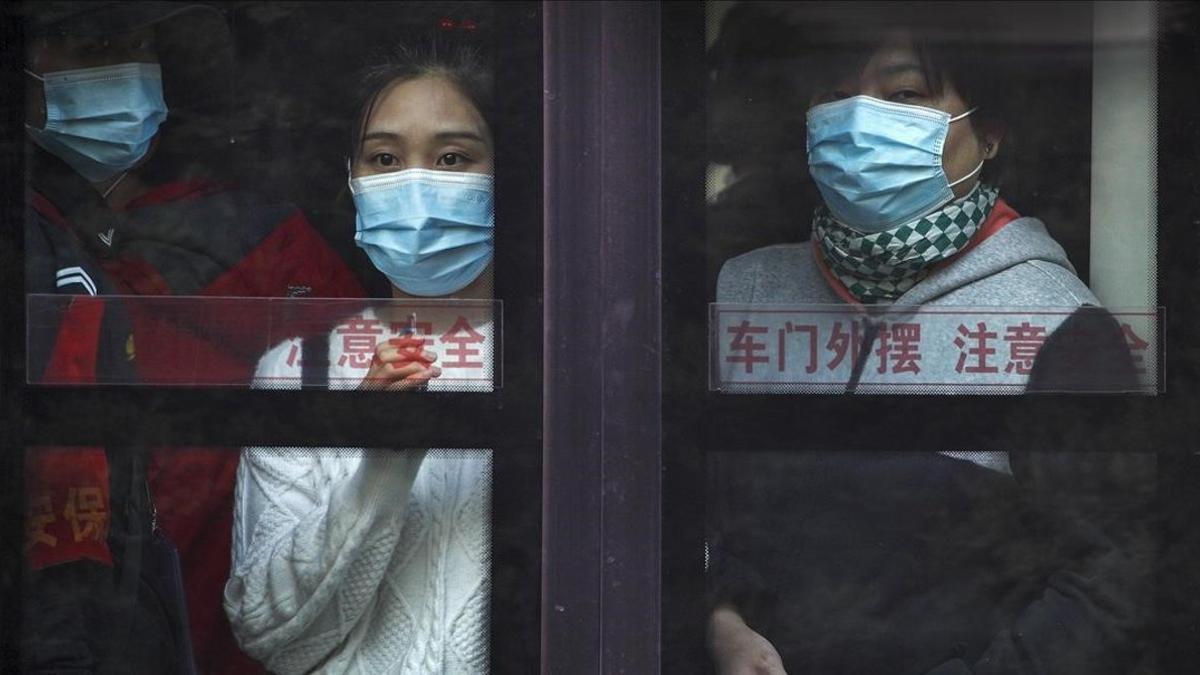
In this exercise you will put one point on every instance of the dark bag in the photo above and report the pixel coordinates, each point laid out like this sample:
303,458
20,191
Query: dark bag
150,579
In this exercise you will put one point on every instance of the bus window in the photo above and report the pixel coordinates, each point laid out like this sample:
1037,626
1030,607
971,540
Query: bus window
918,165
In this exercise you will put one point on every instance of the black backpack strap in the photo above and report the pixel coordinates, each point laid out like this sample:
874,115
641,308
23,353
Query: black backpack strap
314,361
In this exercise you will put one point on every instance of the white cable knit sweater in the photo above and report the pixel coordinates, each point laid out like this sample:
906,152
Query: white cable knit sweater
353,561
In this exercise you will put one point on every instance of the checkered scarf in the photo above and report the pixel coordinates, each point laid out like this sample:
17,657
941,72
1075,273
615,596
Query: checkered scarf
882,266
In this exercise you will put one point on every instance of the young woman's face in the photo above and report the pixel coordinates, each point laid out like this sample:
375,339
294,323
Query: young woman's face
424,123
893,73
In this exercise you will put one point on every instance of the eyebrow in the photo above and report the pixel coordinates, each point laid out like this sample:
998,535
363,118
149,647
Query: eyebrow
459,134
441,136
897,68
380,135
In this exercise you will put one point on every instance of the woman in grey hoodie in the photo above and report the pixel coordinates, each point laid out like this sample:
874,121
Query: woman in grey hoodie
922,562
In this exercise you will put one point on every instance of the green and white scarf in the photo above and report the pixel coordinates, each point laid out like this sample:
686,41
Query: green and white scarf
882,266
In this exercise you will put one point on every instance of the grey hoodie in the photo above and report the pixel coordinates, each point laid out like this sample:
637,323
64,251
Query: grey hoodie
1020,266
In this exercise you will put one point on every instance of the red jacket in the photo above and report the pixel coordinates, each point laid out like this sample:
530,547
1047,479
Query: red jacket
202,238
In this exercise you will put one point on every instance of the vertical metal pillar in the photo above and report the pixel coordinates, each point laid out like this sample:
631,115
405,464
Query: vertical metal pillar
602,421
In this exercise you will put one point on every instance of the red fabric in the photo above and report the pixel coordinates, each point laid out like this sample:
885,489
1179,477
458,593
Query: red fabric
66,489
1001,215
66,509
293,255
73,359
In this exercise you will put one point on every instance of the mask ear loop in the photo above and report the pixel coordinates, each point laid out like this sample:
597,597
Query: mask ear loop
976,169
959,117
972,173
112,186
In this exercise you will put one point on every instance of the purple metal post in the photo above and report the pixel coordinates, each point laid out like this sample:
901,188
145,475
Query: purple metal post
602,421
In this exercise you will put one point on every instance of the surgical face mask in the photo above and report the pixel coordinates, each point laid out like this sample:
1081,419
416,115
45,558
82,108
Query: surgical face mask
878,164
101,121
430,232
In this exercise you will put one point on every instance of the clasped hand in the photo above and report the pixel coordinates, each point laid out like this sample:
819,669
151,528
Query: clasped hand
400,364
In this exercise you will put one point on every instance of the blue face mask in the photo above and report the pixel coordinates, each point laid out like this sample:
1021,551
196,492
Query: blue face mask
430,232
878,164
100,121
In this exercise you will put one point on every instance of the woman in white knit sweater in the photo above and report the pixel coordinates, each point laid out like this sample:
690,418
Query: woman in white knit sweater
351,561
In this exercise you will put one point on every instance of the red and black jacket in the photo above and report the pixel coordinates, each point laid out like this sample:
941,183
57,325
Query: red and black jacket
188,238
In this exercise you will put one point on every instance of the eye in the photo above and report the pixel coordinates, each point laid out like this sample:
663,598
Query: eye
830,96
906,95
385,159
451,159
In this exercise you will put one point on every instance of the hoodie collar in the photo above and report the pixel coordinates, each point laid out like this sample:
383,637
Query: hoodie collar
1019,241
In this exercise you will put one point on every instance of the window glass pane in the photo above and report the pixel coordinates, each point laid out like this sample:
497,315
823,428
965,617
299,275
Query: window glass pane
342,559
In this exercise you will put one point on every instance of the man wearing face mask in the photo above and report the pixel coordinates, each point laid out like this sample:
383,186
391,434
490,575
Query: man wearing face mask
128,111
936,561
